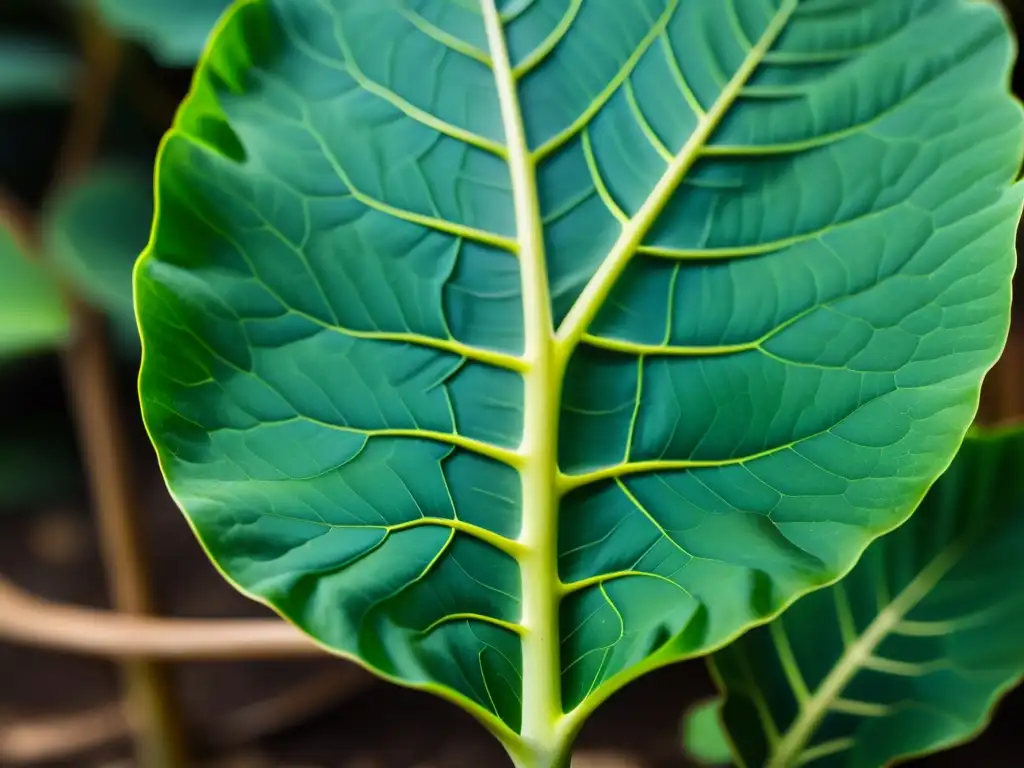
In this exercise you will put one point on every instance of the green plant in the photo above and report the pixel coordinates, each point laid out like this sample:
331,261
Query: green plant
515,349
910,652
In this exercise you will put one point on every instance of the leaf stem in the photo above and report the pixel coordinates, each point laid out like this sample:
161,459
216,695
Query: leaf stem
159,743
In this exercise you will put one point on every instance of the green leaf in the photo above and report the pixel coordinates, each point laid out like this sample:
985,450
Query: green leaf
704,739
32,315
910,652
94,230
175,30
515,349
34,71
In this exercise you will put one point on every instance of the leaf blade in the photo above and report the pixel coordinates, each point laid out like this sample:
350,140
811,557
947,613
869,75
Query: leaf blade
696,445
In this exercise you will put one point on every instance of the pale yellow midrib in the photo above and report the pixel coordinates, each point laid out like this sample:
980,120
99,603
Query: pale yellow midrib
545,727
542,674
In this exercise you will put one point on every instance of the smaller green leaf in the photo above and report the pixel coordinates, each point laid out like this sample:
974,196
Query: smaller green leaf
704,739
908,654
174,30
32,315
94,231
34,70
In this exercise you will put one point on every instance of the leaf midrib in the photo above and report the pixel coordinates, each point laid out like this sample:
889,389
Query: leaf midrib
547,352
540,740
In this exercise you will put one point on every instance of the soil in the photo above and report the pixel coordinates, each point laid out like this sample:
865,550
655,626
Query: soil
52,552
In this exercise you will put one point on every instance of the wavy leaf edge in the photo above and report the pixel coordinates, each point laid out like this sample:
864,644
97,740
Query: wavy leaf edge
574,327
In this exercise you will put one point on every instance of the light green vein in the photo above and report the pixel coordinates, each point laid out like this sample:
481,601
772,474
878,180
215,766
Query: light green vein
859,708
813,142
453,617
905,668
503,455
844,615
799,58
680,78
430,222
351,68
445,38
602,578
478,354
599,185
788,662
637,401
761,707
548,44
632,348
600,285
666,349
774,92
645,125
940,628
760,249
508,546
540,734
650,518
597,104
826,749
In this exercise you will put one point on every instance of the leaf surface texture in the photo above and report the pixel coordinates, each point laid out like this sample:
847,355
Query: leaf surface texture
514,348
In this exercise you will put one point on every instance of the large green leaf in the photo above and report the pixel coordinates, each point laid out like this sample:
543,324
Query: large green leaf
175,30
33,317
909,653
94,231
775,239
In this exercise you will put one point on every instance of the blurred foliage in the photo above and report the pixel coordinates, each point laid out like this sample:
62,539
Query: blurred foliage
93,230
87,233
175,31
34,70
32,314
704,738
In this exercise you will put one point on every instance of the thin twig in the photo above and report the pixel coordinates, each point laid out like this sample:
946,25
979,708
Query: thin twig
159,737
30,620
62,737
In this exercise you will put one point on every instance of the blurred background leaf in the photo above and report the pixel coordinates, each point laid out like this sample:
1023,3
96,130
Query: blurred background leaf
174,31
32,314
34,70
93,231
704,739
